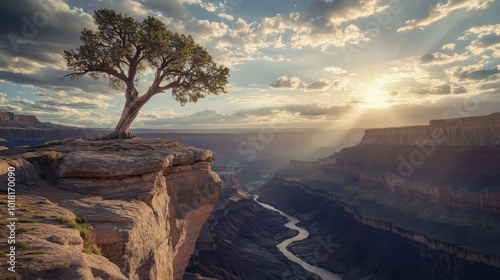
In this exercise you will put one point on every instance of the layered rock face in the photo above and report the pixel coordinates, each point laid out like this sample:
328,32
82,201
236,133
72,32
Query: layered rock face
435,187
481,130
356,247
143,201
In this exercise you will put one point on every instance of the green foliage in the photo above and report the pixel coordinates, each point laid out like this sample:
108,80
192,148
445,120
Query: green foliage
50,158
22,245
122,48
92,249
84,232
79,217
46,201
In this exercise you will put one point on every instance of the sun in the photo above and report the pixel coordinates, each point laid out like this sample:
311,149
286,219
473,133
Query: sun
375,98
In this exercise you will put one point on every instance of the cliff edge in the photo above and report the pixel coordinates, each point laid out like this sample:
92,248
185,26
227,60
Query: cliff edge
124,209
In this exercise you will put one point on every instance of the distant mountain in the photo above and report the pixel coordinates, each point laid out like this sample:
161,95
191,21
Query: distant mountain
11,120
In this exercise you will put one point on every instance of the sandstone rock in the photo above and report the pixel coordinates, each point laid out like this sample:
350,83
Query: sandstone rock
144,202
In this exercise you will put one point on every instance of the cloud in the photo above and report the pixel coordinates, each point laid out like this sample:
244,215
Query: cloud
442,58
318,85
427,58
335,70
440,11
40,30
449,46
340,11
285,82
486,38
459,90
171,8
226,16
482,74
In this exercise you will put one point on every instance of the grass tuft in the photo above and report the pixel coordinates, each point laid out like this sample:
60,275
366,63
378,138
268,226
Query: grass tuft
79,217
22,245
59,266
84,232
92,249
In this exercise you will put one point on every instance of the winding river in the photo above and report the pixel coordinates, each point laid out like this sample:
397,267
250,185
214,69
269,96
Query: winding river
292,224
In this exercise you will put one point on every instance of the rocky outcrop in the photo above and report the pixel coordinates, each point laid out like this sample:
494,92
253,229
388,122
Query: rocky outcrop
481,130
143,202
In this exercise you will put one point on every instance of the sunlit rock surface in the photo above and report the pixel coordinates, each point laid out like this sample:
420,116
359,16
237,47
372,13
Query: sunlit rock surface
144,202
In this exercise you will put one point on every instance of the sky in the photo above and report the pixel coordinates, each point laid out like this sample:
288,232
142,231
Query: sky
300,63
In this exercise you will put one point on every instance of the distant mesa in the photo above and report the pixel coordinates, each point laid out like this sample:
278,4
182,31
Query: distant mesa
11,120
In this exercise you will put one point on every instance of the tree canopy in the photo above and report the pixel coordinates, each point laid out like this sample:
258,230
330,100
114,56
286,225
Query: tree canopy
122,48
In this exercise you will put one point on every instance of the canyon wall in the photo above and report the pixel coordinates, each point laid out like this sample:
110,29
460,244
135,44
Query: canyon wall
356,246
238,240
481,130
143,203
435,189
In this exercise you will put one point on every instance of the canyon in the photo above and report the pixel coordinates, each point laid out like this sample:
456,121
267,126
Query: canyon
405,203
419,202
239,240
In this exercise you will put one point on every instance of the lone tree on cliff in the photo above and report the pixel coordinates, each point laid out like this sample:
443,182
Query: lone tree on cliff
121,48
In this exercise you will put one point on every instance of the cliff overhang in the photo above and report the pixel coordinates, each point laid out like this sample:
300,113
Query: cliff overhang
142,202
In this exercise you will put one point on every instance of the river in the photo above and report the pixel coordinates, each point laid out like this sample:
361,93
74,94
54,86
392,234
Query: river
292,224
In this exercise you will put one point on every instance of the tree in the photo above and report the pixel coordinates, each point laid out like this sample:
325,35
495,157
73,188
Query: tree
122,48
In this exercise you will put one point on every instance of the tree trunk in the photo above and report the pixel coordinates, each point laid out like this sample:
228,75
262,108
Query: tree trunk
130,112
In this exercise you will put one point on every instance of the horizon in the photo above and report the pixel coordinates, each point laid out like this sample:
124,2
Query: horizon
307,64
